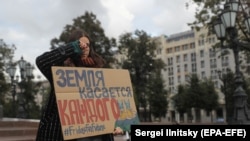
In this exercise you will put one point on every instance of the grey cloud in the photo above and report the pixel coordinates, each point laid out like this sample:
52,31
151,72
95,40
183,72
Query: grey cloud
32,24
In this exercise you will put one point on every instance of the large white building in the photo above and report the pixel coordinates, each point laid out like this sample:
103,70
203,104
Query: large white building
192,52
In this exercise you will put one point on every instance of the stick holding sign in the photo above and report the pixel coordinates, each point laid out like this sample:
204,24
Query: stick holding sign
93,101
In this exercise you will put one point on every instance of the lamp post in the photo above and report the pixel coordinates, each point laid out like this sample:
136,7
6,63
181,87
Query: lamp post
26,74
226,29
12,71
225,78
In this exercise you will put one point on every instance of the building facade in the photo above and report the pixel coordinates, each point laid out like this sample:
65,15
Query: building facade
191,52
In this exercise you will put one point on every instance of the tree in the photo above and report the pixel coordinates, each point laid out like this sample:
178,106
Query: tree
210,97
6,57
180,99
157,96
141,63
207,13
3,85
196,94
28,103
88,22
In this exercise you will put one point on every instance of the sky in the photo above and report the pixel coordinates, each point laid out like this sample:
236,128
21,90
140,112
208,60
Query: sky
31,24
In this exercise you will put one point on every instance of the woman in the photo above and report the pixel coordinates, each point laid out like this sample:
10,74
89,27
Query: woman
77,53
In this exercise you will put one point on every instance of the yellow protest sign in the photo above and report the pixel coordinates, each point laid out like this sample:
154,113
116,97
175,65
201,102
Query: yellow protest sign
93,101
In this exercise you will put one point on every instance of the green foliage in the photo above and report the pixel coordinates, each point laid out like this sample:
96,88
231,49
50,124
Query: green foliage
196,94
30,106
3,86
28,88
228,89
6,56
101,43
157,96
207,12
180,99
209,96
25,99
144,67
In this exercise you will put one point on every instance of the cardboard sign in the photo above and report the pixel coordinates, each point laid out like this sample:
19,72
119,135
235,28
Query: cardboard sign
93,101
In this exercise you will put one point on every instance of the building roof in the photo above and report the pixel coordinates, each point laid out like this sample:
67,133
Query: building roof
180,36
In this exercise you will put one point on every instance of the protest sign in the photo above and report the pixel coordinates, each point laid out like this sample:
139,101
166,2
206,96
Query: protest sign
93,101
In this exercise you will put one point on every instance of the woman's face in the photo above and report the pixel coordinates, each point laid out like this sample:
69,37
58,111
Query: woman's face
84,45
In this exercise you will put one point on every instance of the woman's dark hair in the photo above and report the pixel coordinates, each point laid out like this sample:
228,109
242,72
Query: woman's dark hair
76,35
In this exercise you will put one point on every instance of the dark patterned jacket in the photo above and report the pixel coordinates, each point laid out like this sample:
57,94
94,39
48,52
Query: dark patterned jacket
49,127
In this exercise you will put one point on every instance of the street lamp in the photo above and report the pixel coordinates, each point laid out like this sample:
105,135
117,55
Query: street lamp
26,73
12,71
225,28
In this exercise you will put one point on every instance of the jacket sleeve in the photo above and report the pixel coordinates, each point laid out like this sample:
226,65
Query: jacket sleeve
54,57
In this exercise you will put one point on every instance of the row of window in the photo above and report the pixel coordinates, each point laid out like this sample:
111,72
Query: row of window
176,61
209,40
213,64
180,48
201,42
212,54
214,75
